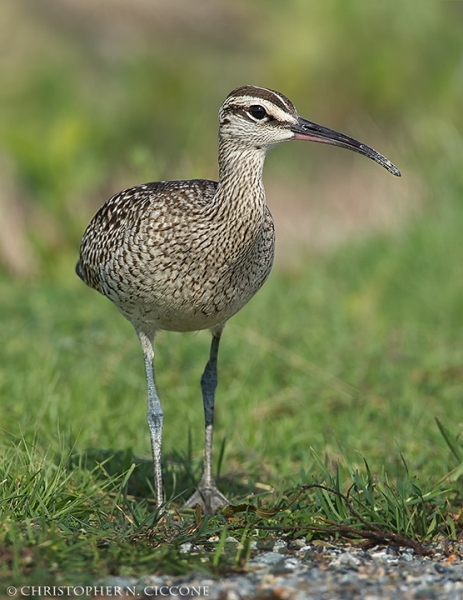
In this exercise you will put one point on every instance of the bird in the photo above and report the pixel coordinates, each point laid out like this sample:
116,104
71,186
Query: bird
187,255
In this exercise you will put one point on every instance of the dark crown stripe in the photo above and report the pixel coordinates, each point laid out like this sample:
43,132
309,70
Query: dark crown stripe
266,94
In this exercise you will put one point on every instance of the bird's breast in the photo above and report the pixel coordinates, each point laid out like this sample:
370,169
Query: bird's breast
176,269
179,285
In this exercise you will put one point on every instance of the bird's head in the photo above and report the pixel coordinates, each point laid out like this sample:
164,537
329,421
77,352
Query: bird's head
256,117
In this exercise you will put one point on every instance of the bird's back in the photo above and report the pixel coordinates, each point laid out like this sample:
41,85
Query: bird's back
167,255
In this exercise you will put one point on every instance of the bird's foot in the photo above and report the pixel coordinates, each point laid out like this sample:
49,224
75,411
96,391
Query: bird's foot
209,498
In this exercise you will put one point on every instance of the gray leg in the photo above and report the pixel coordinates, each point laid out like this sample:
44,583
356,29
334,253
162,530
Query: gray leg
207,495
155,413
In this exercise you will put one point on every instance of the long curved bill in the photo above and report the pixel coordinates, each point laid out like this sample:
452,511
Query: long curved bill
306,130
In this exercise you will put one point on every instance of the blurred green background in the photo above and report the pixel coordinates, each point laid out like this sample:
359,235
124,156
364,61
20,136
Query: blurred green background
96,97
361,322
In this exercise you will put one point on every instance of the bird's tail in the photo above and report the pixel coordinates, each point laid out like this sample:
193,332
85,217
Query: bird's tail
79,271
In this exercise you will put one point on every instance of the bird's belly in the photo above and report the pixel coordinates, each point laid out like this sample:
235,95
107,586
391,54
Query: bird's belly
164,279
186,300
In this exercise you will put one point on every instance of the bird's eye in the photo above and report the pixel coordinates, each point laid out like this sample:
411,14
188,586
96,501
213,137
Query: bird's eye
257,112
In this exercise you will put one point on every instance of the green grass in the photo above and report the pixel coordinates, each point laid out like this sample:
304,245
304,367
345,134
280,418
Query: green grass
333,375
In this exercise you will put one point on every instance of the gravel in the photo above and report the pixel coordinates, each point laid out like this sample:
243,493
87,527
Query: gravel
298,571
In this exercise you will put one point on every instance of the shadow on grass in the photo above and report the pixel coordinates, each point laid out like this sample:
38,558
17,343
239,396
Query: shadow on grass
180,475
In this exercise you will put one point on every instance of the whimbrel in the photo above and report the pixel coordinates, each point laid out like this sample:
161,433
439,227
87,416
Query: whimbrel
188,255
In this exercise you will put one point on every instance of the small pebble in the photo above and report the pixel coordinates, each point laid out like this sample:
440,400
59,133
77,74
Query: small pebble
408,557
279,546
267,558
296,544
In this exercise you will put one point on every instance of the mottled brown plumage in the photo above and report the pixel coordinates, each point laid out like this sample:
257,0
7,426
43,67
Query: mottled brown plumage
173,255
188,255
